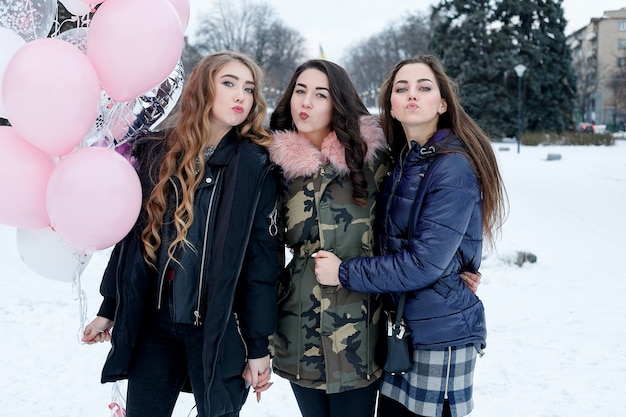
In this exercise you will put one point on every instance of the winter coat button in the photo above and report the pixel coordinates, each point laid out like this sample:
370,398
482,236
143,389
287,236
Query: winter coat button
209,180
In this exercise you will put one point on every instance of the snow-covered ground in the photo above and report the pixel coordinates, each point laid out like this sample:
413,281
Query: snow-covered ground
556,332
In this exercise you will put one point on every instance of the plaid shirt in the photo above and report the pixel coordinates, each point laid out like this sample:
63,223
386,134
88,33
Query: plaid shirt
423,389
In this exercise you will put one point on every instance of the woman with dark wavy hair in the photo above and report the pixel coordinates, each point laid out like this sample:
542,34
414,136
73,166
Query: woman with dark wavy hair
333,155
190,292
443,197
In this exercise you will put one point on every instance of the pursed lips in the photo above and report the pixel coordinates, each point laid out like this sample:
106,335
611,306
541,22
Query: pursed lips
238,109
303,115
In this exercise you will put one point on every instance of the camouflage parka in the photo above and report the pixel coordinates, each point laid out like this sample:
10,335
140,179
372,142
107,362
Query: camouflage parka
326,335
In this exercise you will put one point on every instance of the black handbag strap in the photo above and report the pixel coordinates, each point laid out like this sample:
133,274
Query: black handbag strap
400,311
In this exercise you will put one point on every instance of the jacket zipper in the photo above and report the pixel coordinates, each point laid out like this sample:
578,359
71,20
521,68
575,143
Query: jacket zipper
196,312
230,307
167,263
273,220
397,181
245,347
307,257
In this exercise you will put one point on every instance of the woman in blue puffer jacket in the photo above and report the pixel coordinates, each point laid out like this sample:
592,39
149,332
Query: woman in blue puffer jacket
444,194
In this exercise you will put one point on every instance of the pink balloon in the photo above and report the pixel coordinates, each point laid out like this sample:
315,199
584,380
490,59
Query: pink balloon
183,9
93,198
24,174
51,94
134,45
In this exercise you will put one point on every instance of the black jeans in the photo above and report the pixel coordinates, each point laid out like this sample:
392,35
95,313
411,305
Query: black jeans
354,403
391,408
165,355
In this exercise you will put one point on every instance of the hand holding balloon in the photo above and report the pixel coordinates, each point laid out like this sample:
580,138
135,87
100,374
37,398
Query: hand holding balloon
99,330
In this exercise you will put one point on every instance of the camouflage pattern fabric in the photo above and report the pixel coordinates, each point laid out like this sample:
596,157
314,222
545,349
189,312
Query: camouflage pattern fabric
327,335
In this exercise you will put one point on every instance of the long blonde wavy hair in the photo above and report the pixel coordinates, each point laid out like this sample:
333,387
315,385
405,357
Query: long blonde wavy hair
186,138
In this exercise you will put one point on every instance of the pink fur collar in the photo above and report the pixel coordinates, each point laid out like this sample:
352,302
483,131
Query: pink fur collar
298,158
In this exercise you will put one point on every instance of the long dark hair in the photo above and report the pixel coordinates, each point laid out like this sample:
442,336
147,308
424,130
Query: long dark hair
347,110
477,145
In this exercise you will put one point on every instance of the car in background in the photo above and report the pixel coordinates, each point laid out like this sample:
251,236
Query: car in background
585,127
599,129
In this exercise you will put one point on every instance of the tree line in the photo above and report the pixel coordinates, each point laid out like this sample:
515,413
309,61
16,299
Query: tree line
478,41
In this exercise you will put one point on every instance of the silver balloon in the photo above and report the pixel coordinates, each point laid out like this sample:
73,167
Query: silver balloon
153,107
118,124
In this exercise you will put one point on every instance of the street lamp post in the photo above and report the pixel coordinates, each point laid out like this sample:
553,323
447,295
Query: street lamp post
519,70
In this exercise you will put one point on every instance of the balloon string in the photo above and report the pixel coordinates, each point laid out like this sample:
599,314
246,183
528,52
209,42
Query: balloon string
56,25
118,399
79,294
32,18
81,22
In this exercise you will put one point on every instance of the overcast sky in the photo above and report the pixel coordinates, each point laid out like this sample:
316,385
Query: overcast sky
337,24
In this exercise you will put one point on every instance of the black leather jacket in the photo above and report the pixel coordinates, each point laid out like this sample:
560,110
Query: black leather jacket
227,283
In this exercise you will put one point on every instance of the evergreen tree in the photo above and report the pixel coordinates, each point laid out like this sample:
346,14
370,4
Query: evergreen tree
538,29
480,41
476,56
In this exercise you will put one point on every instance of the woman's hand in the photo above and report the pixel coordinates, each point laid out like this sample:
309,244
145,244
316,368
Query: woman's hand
99,330
257,373
326,267
471,280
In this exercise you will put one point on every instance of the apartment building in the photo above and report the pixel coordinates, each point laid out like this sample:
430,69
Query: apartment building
599,59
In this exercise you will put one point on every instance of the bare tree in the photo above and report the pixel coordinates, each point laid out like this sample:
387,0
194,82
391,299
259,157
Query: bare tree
369,61
253,28
618,86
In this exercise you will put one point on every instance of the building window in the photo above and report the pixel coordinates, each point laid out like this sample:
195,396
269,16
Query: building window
621,43
621,62
621,25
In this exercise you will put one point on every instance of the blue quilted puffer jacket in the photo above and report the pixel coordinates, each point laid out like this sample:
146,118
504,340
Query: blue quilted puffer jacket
432,194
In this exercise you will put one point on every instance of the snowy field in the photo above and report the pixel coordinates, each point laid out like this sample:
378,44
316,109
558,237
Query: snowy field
556,332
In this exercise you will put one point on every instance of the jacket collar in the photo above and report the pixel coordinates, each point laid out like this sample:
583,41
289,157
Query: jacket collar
226,148
442,139
299,158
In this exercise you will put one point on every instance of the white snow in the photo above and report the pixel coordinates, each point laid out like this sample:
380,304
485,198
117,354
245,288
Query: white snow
556,333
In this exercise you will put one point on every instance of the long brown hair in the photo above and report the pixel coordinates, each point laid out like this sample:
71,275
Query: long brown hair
477,145
186,138
347,110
